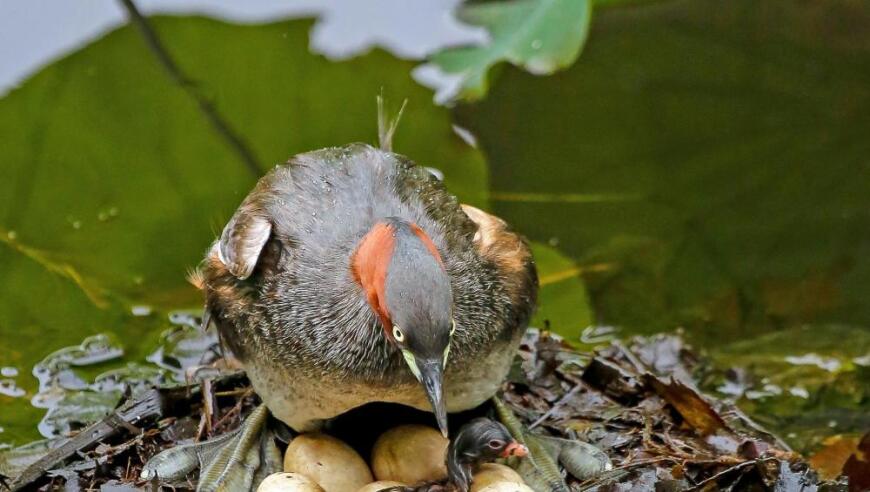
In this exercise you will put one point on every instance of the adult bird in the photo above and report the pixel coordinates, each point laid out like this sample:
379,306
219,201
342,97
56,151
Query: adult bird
350,275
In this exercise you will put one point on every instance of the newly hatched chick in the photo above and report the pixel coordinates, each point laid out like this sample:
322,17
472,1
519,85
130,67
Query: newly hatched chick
480,441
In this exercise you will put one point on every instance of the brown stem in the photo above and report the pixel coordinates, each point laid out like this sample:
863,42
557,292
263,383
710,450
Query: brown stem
222,127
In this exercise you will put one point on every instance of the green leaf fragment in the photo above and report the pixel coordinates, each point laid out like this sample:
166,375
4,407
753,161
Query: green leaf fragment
541,36
563,303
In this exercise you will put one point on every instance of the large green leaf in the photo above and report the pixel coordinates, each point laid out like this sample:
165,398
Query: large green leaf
113,183
563,302
710,157
540,36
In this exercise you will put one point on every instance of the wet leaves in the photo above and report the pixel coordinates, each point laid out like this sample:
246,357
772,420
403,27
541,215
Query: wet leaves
638,401
694,409
663,431
113,449
614,381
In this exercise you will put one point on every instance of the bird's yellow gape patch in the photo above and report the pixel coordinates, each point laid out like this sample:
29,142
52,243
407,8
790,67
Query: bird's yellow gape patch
412,363
447,348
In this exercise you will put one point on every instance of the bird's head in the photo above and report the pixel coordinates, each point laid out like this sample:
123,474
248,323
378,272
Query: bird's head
408,288
483,440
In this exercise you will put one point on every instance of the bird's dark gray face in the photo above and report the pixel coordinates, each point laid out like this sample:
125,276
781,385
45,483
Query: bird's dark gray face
419,301
485,440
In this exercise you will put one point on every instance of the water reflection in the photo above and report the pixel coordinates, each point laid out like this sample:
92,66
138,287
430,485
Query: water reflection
9,388
75,388
829,364
184,346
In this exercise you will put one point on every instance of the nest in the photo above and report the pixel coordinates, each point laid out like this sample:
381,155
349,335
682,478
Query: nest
637,401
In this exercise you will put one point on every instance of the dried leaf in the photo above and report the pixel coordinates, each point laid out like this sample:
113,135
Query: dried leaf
835,451
612,380
694,409
857,467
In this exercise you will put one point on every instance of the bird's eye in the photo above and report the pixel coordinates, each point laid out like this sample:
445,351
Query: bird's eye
495,444
398,334
453,328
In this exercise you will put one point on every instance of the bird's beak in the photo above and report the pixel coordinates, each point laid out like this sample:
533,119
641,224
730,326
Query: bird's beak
432,375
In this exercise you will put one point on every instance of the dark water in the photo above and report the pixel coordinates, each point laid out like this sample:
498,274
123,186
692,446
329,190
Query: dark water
703,166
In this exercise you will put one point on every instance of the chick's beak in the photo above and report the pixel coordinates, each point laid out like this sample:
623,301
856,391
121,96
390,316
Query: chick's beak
432,375
514,449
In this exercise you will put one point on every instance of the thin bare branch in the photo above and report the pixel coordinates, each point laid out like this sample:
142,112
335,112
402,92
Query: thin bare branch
218,123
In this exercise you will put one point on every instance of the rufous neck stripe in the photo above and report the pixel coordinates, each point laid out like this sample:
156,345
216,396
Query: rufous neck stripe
369,265
427,241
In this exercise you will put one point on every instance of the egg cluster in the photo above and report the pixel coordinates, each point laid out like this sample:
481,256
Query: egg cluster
403,456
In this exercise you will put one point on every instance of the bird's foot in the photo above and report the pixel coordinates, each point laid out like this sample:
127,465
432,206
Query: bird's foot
541,470
235,461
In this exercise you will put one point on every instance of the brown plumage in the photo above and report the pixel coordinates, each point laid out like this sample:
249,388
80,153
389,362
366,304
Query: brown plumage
344,263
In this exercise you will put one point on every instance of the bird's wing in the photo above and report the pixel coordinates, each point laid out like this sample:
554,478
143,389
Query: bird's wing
242,240
495,242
